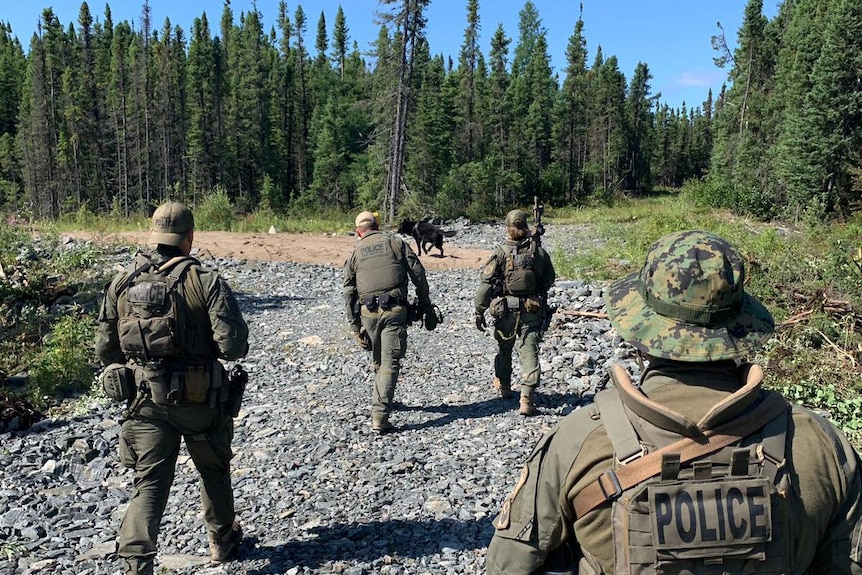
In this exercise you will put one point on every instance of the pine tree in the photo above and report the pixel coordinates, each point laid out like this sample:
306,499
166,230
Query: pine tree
201,89
13,66
639,129
471,132
500,121
826,177
409,21
607,135
571,113
339,43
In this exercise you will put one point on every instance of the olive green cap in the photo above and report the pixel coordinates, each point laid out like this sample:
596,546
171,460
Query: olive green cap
171,222
516,219
688,302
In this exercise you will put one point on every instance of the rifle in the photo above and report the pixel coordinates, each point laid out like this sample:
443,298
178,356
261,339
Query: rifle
538,232
539,229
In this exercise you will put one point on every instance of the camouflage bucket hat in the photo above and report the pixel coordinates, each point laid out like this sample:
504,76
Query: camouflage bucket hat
688,302
516,219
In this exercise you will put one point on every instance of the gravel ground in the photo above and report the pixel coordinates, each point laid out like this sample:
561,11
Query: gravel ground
316,490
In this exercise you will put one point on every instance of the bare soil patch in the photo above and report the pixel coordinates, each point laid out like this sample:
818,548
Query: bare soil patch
322,249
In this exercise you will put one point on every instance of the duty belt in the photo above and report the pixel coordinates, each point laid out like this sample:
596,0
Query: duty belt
383,301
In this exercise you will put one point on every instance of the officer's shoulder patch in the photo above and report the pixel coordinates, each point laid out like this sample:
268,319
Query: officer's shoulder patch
489,268
503,520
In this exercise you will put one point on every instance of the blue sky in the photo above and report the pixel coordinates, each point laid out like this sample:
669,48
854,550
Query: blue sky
671,36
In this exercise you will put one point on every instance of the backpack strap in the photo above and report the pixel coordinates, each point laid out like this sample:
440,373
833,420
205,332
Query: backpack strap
143,264
774,447
178,266
397,250
627,444
612,483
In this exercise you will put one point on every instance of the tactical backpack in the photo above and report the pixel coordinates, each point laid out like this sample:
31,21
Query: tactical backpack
519,277
155,321
675,511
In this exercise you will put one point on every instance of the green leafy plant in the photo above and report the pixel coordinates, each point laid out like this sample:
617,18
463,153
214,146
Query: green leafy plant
63,365
11,550
216,212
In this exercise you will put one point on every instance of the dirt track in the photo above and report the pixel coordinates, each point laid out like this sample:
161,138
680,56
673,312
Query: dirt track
330,249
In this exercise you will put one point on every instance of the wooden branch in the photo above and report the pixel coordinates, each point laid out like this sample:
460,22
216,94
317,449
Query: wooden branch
573,312
792,320
838,350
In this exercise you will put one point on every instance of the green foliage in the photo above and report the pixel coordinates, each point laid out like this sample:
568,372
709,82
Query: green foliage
37,271
216,212
11,550
810,278
845,412
64,364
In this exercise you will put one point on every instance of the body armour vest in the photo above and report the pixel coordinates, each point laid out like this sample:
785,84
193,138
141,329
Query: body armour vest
379,266
155,320
519,275
725,514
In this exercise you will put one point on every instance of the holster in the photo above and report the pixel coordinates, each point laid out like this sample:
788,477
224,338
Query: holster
237,381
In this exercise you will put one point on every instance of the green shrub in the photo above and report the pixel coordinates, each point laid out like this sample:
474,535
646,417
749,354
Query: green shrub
63,365
216,212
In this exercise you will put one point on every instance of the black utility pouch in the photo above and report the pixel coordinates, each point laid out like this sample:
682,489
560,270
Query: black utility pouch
370,302
118,382
385,301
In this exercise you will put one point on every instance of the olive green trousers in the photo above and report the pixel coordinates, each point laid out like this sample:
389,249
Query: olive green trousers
150,444
388,332
519,331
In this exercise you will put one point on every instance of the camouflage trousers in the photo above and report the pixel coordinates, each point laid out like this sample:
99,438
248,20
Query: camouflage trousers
150,444
522,332
388,332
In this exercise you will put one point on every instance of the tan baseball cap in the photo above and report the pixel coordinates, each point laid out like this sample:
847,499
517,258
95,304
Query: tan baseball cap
365,218
171,222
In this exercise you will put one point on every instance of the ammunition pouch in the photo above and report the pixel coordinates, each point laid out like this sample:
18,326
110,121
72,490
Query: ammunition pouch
156,380
193,384
370,302
118,382
532,305
197,382
503,306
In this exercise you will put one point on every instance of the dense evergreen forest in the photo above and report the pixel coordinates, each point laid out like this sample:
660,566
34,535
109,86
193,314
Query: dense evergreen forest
104,116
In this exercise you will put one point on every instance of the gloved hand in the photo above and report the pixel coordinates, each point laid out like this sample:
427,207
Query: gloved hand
480,320
363,339
433,316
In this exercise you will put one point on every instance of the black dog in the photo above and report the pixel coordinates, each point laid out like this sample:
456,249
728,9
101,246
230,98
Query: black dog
425,234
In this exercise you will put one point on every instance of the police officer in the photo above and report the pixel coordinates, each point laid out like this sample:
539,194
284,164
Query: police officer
698,469
375,293
164,323
514,285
